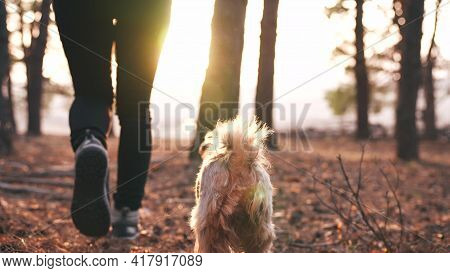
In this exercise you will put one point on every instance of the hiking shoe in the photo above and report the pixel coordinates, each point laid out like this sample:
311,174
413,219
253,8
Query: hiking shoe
90,203
125,223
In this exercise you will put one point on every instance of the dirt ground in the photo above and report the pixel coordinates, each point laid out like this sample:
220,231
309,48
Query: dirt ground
36,188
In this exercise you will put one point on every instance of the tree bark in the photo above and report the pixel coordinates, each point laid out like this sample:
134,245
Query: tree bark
264,89
220,92
429,114
5,119
34,58
362,81
11,103
410,79
4,52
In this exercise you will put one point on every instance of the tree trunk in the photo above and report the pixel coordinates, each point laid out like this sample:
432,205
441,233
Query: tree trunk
429,114
264,90
34,58
11,103
5,119
4,52
220,92
410,78
362,81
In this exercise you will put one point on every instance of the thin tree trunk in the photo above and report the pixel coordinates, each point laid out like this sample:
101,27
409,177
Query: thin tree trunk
264,90
362,81
5,121
11,103
429,115
4,52
34,58
410,73
220,93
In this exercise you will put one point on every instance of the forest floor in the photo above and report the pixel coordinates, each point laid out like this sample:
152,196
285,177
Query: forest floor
36,182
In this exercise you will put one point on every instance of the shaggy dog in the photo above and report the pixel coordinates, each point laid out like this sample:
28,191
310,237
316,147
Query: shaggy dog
233,211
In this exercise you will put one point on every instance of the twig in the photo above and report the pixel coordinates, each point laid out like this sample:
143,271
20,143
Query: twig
348,220
397,201
370,221
388,210
299,245
343,196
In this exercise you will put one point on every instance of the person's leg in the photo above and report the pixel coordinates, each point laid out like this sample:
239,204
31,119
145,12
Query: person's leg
141,29
86,32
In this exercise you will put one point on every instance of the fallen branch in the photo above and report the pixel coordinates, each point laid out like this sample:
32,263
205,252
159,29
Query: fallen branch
45,173
15,189
300,245
36,181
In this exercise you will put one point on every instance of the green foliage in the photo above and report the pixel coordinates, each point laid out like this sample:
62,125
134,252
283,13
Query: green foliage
342,99
379,67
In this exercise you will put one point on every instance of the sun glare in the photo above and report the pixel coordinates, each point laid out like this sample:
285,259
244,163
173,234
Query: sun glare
305,43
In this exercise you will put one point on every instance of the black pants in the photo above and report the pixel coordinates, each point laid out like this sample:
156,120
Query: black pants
87,33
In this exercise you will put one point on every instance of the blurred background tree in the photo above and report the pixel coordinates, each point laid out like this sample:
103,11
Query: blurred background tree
429,113
220,92
362,86
396,65
264,89
342,100
373,74
410,24
6,107
33,58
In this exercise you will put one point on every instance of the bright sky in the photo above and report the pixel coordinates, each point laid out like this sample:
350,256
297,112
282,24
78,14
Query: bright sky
306,39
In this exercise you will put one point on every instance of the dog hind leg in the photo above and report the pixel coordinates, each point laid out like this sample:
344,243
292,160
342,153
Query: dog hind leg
215,204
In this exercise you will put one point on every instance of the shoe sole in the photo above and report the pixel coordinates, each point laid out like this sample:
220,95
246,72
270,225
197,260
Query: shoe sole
90,204
129,238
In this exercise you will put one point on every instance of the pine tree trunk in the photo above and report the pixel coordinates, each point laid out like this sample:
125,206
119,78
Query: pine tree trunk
429,114
34,60
11,104
5,119
264,90
410,73
362,81
220,92
4,52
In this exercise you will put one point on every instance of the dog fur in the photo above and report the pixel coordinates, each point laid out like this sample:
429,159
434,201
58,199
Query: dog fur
233,211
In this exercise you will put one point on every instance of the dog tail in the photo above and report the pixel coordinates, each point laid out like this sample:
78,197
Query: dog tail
243,142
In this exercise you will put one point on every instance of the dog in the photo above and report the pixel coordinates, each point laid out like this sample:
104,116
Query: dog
233,211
